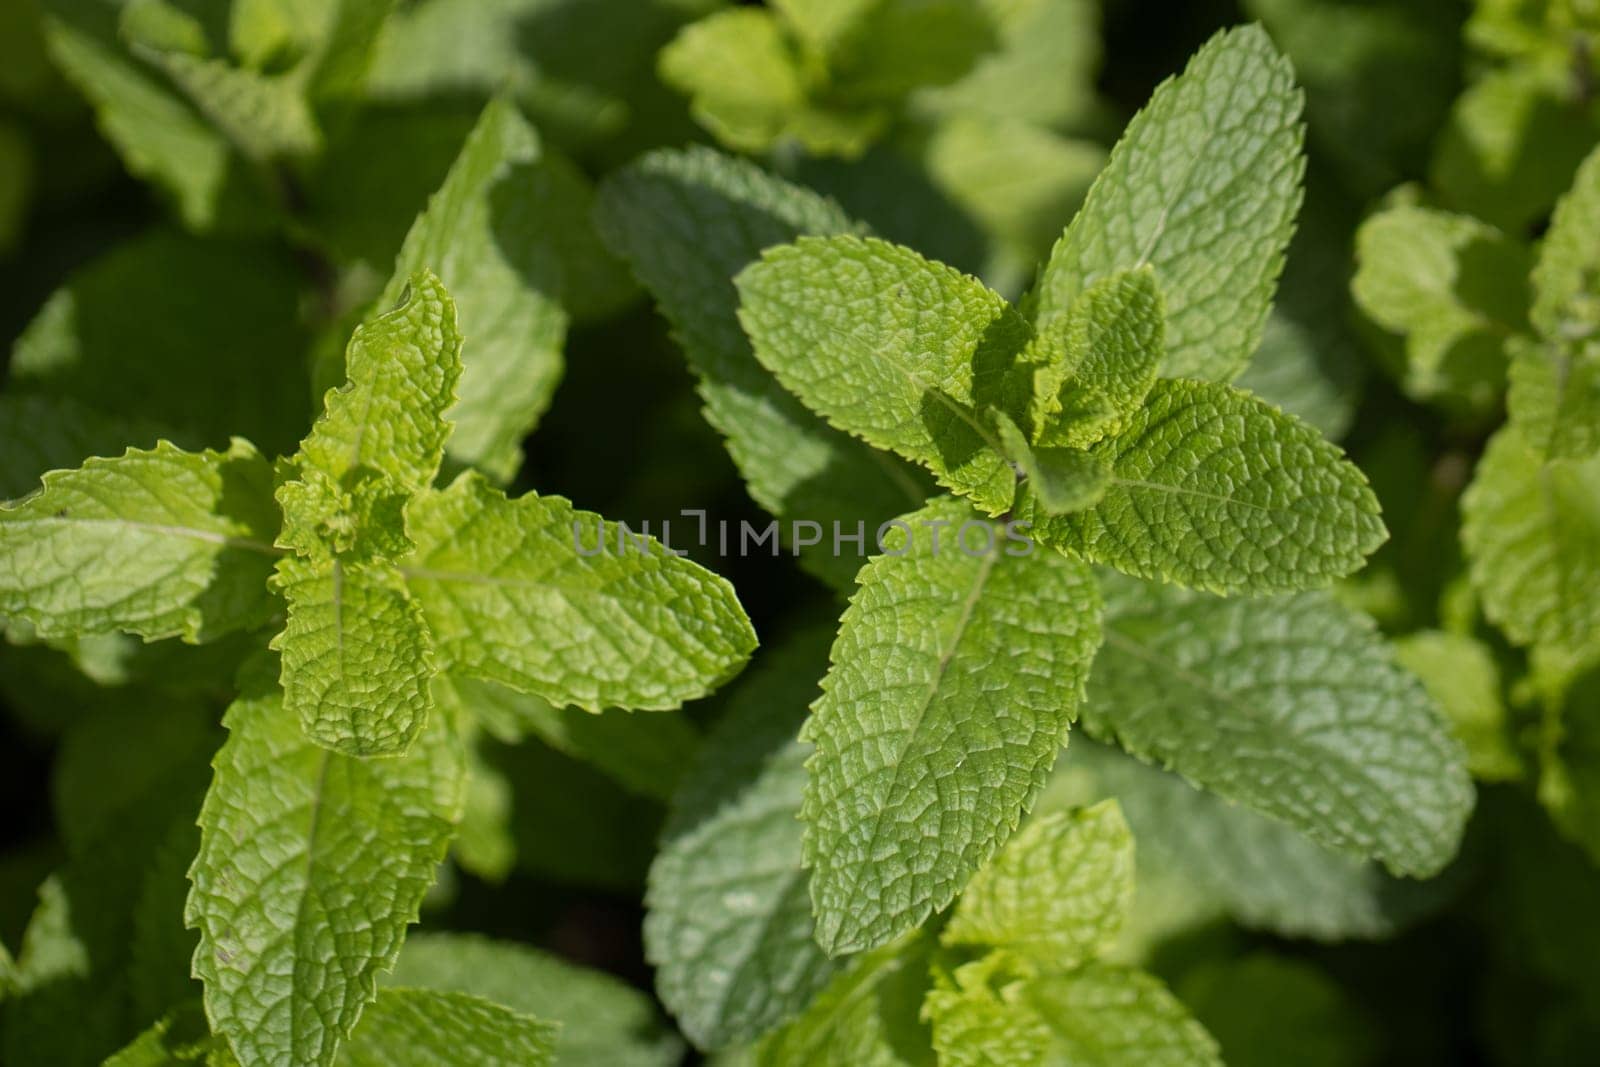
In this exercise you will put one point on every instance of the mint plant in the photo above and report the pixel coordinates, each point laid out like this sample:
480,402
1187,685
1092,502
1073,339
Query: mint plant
1167,509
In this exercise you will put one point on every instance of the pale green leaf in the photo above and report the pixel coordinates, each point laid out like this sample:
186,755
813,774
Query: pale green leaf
1461,674
1215,489
1554,398
519,592
485,234
604,1021
1203,187
311,865
866,1017
1060,479
1057,892
1455,290
1096,1015
1566,282
426,1028
388,418
357,656
1531,531
159,543
1102,365
741,74
728,924
902,352
687,222
1204,857
646,754
923,765
265,115
1293,706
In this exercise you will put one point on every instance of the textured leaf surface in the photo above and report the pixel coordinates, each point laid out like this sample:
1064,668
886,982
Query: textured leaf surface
900,351
159,543
1059,479
311,865
1291,705
1455,288
687,222
1215,489
427,1028
1204,187
1531,531
484,234
1566,281
604,1022
266,116
1093,1015
1057,891
1216,857
728,926
1554,398
509,597
925,758
866,1017
357,657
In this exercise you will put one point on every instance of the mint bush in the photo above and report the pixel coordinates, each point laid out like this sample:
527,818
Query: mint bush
1169,509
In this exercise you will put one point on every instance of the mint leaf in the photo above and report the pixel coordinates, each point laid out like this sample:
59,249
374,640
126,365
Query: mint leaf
357,656
181,1036
743,79
311,865
603,1021
1096,1014
1221,141
426,1026
1214,489
483,233
1056,892
1293,706
1462,675
1454,288
1060,479
687,222
728,923
909,737
522,593
159,543
1566,281
1113,341
902,352
265,116
867,1015
1554,398
136,334
1532,537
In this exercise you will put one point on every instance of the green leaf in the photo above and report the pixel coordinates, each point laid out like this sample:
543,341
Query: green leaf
1531,531
1060,479
1266,1009
1554,398
181,1036
523,593
388,419
894,47
1220,142
1511,144
1214,489
728,924
311,865
1210,857
357,656
1113,340
902,352
742,76
159,543
1566,281
604,1022
1461,674
984,1016
1057,892
136,335
1455,289
1293,706
687,222
646,754
911,734
266,116
486,234
866,1017
423,1026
